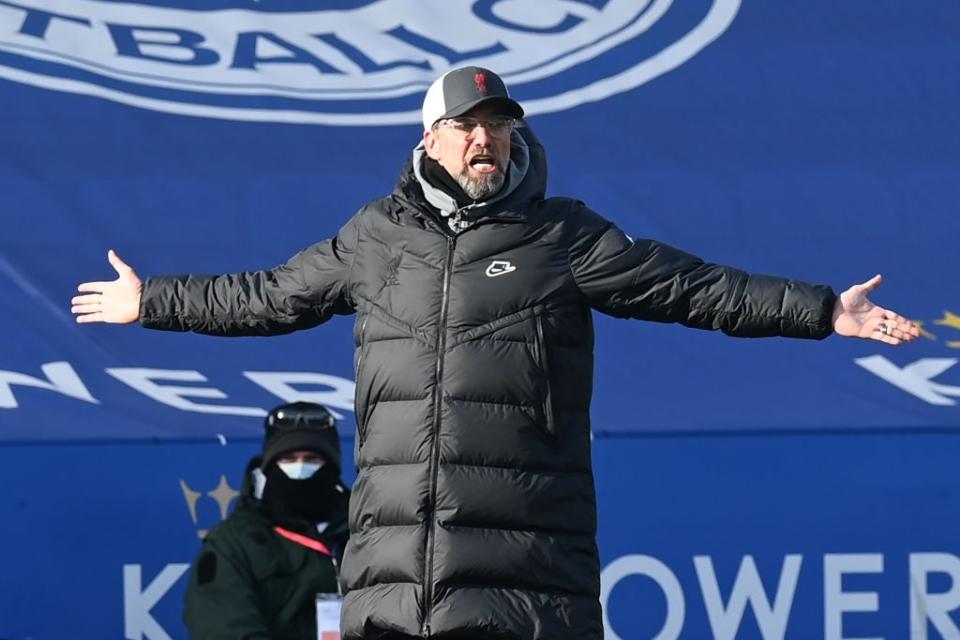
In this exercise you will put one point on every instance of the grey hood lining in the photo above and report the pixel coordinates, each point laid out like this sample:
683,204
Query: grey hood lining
519,164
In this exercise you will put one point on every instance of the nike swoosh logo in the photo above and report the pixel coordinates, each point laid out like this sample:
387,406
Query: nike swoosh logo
499,268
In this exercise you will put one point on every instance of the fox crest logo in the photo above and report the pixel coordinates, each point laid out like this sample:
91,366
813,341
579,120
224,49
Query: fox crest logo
354,62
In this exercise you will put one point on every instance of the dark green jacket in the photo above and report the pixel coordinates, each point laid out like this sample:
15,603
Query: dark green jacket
251,583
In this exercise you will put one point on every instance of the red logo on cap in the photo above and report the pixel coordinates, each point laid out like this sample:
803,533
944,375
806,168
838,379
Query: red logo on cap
481,80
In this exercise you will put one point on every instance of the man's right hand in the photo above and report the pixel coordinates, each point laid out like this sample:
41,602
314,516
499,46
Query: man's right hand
115,302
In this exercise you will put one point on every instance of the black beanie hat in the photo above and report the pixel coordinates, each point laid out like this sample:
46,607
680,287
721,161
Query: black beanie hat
301,426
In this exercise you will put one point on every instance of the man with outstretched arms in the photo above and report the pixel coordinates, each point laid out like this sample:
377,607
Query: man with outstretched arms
473,514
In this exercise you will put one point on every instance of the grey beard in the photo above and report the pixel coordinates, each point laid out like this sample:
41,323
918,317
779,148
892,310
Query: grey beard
481,187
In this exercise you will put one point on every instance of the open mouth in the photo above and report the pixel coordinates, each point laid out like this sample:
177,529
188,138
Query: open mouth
483,163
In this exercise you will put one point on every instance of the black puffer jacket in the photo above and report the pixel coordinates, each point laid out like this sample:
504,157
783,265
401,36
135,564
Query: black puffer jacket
473,514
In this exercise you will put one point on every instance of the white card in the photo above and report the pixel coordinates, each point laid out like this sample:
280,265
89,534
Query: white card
328,616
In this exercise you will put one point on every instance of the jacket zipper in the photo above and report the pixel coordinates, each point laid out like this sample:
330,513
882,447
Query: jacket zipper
361,427
435,448
454,221
545,366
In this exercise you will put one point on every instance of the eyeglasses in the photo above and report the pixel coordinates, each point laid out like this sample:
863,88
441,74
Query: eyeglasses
497,127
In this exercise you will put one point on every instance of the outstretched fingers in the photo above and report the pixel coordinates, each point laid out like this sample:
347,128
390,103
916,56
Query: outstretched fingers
96,287
121,267
116,301
856,316
894,329
86,306
87,299
871,284
90,317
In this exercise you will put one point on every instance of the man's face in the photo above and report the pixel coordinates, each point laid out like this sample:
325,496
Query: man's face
476,159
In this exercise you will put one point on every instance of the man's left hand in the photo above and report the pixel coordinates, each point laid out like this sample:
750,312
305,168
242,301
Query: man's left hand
855,316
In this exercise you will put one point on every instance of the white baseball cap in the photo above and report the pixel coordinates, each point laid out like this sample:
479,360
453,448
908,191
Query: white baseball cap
460,90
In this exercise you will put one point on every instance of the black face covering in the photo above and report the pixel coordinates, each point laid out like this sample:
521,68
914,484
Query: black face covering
315,499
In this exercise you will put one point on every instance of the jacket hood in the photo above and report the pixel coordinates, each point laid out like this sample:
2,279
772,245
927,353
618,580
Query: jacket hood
249,492
526,179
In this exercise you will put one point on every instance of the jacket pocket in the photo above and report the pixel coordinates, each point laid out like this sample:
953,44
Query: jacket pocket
543,360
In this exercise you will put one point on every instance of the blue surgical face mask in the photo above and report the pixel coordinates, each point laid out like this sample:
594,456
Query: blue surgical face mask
299,470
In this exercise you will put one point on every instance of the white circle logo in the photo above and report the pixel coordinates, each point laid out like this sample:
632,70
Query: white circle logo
355,62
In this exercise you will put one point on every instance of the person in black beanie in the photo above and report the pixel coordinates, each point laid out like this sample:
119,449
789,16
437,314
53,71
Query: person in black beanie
258,572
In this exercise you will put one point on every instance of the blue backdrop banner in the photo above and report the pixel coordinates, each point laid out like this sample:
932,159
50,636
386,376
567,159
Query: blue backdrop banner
816,141
749,488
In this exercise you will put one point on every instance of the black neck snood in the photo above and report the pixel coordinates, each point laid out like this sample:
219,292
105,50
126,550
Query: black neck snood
440,178
315,499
